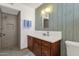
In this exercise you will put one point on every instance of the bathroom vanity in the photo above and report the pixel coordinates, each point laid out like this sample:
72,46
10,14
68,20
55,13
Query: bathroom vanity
44,46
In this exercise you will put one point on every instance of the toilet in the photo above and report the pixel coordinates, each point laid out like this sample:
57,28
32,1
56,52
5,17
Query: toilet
72,48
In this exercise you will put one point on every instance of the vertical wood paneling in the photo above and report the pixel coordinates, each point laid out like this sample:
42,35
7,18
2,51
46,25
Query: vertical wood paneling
59,16
76,22
53,21
67,25
69,22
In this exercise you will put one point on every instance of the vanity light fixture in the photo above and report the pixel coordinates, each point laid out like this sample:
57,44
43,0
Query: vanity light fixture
47,10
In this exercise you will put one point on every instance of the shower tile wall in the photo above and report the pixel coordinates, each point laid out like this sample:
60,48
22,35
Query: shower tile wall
65,18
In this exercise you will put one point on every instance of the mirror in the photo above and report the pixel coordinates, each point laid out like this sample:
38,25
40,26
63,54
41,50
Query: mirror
45,21
45,17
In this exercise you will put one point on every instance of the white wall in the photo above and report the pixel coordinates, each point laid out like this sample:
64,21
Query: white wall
26,13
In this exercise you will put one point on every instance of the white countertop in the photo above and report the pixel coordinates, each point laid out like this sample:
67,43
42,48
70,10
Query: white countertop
53,35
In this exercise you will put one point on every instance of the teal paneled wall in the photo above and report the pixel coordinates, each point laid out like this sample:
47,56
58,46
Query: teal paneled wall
64,18
53,16
59,16
67,30
76,22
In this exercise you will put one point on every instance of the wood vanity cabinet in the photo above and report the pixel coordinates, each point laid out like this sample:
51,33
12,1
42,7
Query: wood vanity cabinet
43,48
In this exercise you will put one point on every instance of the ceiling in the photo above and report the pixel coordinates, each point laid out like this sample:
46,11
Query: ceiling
8,10
33,5
15,12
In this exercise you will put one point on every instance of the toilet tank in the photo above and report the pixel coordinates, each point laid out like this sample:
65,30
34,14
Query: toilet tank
72,48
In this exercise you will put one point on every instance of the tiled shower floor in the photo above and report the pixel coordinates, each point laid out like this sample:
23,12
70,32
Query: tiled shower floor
15,52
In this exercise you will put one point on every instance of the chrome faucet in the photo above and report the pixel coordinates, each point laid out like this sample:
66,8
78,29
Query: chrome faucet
46,34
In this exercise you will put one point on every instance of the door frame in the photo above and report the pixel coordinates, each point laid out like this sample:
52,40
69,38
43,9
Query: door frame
18,28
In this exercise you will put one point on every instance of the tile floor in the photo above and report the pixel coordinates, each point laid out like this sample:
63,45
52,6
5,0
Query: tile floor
15,52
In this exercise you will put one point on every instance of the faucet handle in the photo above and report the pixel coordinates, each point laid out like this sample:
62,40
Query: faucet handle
47,33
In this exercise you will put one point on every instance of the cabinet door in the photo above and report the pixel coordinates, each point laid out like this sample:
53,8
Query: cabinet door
45,51
37,47
55,49
45,48
30,43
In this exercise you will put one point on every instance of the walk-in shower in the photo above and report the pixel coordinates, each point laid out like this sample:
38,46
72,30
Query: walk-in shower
9,27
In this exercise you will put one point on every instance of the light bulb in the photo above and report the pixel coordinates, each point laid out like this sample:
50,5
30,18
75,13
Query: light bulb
43,12
47,10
